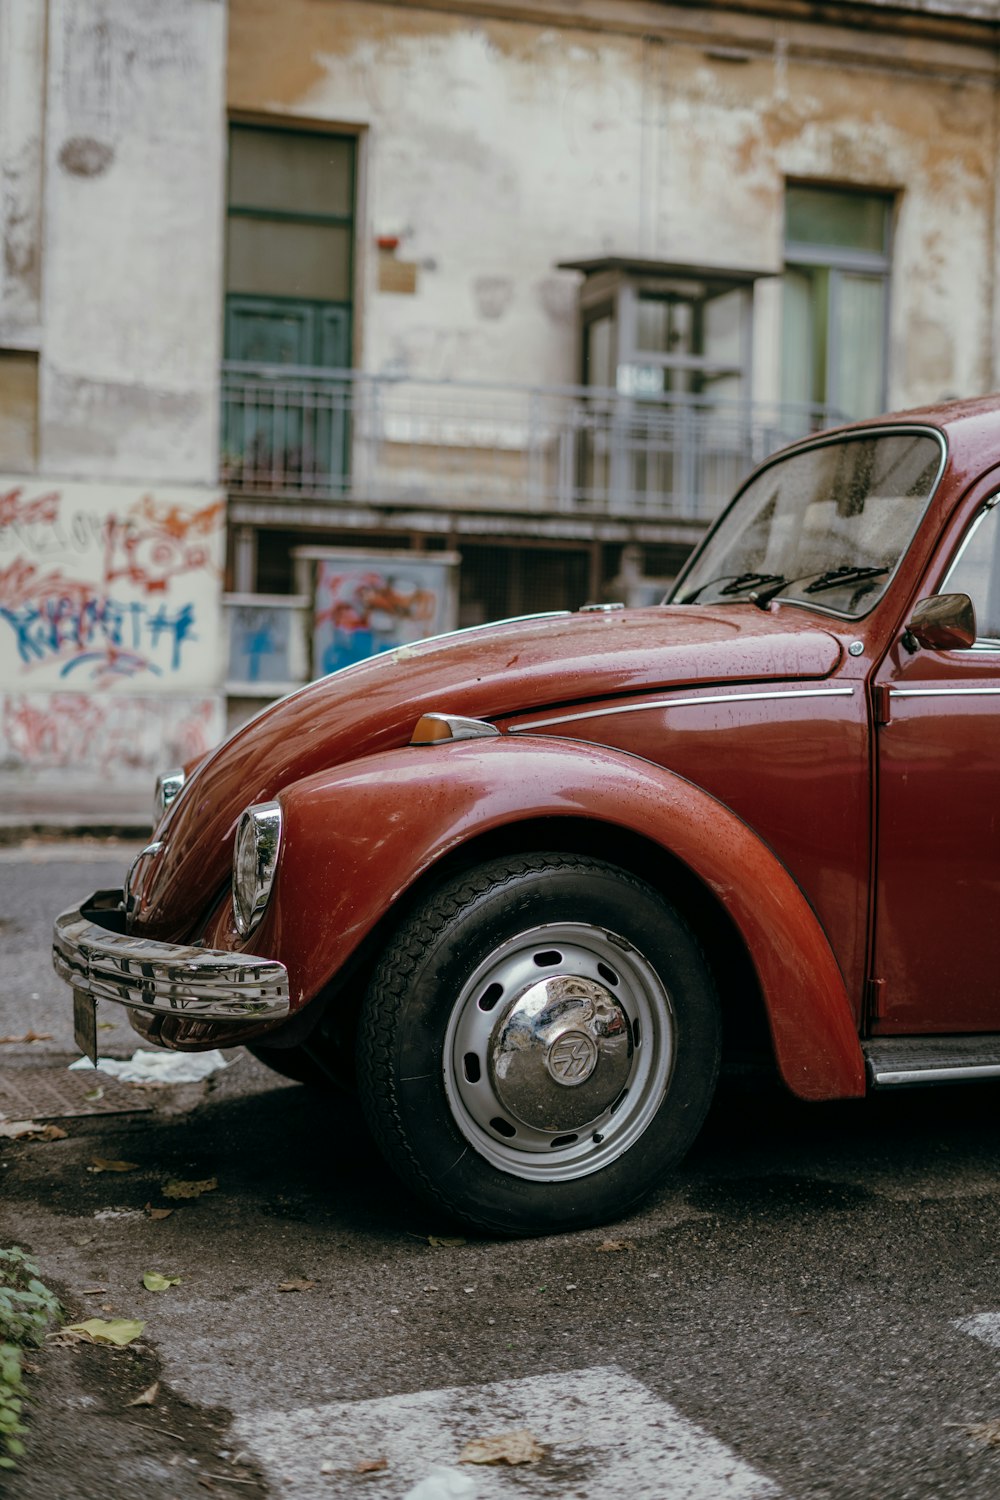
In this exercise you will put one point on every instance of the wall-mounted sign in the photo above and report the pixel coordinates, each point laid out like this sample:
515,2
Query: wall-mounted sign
368,602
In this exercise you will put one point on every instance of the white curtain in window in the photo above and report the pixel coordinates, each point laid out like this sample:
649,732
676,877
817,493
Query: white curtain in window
857,381
796,339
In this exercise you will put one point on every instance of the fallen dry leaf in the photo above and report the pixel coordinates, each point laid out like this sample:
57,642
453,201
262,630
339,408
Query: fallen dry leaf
519,1447
63,1340
104,1164
370,1465
177,1188
119,1331
154,1281
30,1130
986,1432
157,1213
616,1245
146,1397
29,1036
296,1286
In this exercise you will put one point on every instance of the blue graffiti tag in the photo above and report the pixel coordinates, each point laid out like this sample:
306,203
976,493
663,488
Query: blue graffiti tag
107,632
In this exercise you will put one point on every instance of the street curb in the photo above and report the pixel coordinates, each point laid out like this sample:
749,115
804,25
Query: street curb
16,829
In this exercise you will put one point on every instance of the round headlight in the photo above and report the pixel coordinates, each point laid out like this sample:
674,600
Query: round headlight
255,860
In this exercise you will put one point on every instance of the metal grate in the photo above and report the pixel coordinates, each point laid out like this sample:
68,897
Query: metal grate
55,1093
305,433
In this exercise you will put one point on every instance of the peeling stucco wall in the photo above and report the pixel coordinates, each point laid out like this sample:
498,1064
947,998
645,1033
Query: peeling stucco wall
112,146
22,96
495,148
133,235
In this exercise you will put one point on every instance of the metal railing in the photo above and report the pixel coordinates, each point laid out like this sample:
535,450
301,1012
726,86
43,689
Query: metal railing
301,433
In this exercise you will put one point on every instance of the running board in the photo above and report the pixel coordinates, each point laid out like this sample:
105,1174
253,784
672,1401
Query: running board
895,1061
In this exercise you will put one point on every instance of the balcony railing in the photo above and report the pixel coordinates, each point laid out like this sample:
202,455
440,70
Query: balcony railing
342,436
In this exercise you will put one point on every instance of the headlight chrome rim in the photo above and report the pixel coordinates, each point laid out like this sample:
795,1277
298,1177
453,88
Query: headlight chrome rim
167,788
255,862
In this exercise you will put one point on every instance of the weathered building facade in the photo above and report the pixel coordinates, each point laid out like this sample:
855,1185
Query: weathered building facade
523,281
112,524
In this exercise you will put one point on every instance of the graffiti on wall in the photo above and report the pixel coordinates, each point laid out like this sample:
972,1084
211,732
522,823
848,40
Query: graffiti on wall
105,585
366,604
106,734
267,641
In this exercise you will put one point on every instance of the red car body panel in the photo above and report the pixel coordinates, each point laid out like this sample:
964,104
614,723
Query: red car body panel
489,673
791,760
338,840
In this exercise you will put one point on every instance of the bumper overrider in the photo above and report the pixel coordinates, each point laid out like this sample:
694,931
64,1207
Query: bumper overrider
93,953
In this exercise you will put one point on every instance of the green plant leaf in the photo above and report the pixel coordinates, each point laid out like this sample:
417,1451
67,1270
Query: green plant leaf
154,1281
118,1331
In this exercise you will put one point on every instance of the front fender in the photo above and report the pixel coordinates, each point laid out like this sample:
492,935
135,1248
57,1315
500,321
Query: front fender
358,836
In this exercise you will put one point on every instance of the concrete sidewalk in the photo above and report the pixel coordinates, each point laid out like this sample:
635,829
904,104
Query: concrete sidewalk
67,806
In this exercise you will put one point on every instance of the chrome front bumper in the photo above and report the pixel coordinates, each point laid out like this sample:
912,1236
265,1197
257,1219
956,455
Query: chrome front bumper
92,951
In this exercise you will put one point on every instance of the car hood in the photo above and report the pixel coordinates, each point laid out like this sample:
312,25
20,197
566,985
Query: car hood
486,672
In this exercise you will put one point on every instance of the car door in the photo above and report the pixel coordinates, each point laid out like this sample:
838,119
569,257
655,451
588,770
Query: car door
937,892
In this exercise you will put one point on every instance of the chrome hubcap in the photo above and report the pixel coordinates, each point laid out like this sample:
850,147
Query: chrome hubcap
558,1051
562,1034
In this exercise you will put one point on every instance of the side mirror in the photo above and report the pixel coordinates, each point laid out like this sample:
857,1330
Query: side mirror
946,622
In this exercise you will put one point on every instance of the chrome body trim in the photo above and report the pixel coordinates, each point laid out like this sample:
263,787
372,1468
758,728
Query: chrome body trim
255,862
966,540
459,729
714,698
945,692
132,894
167,788
93,954
899,1061
899,1077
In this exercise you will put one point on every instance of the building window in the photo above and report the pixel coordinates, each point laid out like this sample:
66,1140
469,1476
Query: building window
289,276
289,246
836,299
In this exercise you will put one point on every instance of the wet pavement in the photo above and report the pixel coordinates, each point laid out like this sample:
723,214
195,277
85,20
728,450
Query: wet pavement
790,1317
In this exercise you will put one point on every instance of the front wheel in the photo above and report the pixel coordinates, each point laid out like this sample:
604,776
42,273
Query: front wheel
539,1044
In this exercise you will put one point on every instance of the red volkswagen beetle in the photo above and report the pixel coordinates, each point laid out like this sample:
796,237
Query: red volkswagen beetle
523,886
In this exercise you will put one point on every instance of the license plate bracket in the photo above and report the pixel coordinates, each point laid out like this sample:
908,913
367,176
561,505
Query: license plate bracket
85,1024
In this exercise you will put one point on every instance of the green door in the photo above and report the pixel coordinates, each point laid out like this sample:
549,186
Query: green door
287,430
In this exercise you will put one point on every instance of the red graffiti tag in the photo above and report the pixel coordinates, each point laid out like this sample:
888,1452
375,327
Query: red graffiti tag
157,541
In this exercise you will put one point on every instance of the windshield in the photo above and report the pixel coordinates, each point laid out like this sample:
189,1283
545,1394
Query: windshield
825,525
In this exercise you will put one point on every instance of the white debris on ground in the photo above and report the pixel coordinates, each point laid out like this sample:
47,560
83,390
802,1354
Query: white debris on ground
443,1484
157,1067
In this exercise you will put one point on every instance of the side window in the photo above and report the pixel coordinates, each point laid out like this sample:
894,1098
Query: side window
976,572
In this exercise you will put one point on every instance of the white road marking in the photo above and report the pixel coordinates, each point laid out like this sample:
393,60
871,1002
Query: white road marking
983,1326
605,1434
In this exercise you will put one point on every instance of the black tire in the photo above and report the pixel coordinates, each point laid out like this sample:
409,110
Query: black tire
566,995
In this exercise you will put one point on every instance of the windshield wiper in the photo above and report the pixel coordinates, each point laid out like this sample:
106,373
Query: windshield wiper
845,574
830,579
738,582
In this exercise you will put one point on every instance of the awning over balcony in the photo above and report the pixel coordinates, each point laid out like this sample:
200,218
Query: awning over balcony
714,280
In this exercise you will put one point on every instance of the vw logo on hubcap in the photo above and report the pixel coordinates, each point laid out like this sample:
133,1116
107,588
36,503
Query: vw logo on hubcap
572,1058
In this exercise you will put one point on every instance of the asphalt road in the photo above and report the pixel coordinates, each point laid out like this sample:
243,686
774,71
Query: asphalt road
812,1309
